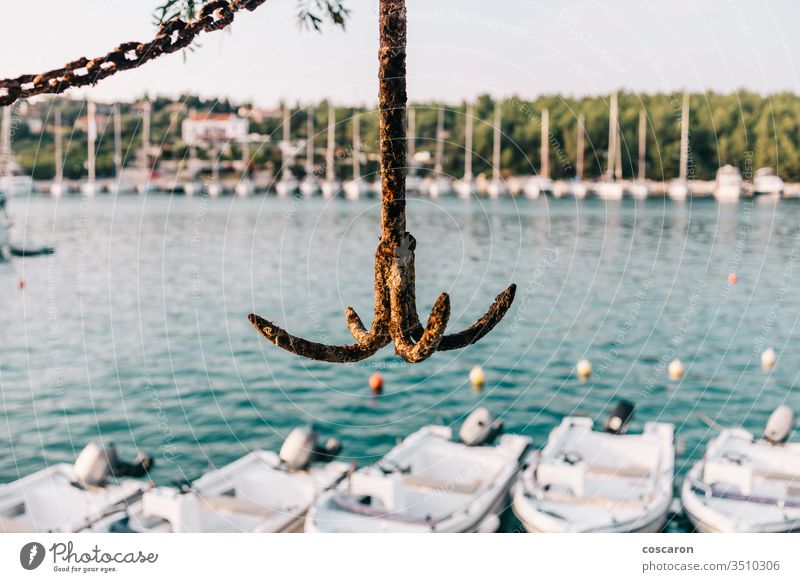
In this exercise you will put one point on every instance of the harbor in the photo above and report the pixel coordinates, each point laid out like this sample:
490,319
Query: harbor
156,375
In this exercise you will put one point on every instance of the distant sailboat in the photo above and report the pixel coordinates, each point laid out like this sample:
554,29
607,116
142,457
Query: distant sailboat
145,167
12,181
542,184
89,187
439,184
331,186
214,186
497,187
244,187
679,188
466,187
611,187
413,182
575,187
310,184
192,186
57,186
356,188
287,185
118,186
640,188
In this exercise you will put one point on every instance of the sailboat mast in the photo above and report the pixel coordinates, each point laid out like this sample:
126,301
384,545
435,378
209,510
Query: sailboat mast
437,167
146,136
468,144
641,173
91,139
310,142
59,153
286,149
496,146
544,169
246,157
330,151
684,161
412,136
612,137
356,146
581,146
117,142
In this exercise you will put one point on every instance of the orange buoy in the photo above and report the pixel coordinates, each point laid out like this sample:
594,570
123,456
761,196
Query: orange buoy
732,278
376,382
21,283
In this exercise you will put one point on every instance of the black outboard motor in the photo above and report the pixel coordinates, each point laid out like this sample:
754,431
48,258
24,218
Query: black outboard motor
617,421
97,463
301,448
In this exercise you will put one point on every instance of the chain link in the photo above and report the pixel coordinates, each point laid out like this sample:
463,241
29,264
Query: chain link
172,36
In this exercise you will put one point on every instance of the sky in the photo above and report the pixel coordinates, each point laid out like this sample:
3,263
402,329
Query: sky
457,49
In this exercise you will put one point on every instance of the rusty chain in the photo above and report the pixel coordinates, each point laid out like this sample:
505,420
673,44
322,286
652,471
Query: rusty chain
172,36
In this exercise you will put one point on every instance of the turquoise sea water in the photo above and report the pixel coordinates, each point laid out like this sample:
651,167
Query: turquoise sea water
135,330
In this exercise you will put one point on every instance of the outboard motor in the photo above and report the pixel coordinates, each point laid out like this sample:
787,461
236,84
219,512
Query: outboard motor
617,421
779,426
298,448
96,463
480,428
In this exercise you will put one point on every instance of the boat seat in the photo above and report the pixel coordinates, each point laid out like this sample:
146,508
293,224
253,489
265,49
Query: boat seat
10,525
632,471
423,482
234,505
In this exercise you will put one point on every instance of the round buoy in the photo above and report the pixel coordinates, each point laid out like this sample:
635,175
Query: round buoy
376,382
583,368
732,278
477,377
675,369
768,358
21,283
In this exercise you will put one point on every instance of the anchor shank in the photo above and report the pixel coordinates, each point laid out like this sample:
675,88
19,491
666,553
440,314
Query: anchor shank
392,100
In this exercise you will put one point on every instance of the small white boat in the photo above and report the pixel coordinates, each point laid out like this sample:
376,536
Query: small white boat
639,189
261,492
16,185
414,184
767,183
729,186
466,189
497,189
574,188
57,189
331,189
678,189
355,189
310,186
538,186
73,498
610,190
287,186
747,485
214,189
592,481
89,188
193,188
428,483
244,188
440,187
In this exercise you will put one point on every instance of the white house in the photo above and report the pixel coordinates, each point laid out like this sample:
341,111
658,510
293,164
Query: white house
208,127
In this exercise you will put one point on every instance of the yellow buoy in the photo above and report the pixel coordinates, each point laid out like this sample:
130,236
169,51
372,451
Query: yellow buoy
675,369
477,376
768,358
583,368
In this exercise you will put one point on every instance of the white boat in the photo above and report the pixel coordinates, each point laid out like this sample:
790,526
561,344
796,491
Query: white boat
466,189
309,186
214,189
538,186
331,189
121,187
747,485
440,187
598,481
244,188
287,186
16,185
767,183
355,189
497,189
261,492
428,483
574,187
610,190
639,189
678,189
89,188
414,184
729,185
193,187
73,498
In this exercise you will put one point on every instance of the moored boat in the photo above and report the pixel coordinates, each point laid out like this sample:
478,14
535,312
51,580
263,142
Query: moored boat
428,483
598,481
73,498
260,492
747,485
